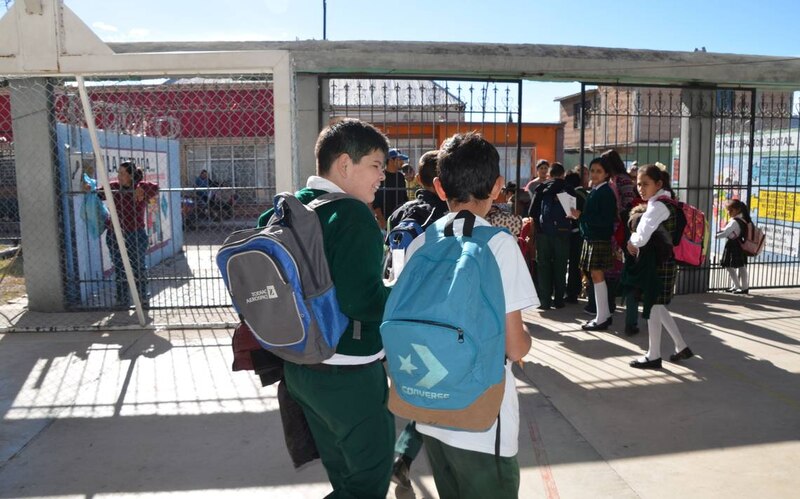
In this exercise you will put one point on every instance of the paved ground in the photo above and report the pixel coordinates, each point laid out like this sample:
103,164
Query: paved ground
106,412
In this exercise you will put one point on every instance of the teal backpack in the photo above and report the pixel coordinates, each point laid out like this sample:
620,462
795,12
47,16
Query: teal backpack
443,330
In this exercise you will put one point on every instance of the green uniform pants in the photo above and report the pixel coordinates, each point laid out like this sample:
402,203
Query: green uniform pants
465,474
552,252
352,427
631,310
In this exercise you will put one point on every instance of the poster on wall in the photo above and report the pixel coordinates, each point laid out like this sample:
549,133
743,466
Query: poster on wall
773,200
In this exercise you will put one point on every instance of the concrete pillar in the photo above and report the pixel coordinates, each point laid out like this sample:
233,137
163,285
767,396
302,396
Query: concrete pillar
37,178
696,170
307,90
285,107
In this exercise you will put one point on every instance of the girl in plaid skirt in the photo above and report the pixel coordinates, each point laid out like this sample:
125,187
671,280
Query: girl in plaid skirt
733,258
651,264
596,223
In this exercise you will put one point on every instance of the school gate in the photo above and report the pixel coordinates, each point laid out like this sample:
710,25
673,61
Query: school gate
248,114
750,139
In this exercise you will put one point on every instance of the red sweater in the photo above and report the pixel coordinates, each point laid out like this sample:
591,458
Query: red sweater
130,211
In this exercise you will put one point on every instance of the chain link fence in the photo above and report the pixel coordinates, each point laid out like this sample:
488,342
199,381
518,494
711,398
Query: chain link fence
206,142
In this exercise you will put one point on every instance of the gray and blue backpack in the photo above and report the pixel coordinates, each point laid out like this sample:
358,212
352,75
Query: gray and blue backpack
443,330
280,283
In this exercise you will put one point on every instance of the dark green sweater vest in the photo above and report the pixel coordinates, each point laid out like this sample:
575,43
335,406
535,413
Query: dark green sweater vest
354,250
599,214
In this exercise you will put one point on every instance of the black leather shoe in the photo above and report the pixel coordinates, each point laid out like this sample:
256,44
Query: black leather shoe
647,364
631,330
543,307
731,289
742,292
684,354
593,326
559,305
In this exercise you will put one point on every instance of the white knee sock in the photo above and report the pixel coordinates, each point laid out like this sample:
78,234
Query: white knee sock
734,278
601,302
654,332
669,324
744,278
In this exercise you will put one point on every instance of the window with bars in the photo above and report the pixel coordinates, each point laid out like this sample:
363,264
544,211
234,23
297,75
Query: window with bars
249,168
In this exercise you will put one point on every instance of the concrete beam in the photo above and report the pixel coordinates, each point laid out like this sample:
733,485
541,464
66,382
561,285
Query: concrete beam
525,61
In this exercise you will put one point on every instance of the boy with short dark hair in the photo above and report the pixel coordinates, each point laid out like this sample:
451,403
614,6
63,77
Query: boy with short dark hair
465,463
344,397
426,206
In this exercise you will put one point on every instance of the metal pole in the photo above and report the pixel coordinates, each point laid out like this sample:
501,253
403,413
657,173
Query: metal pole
583,121
324,19
752,146
519,144
103,178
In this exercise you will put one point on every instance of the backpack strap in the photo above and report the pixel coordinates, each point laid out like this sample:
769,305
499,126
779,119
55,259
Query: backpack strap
326,198
469,223
744,228
286,203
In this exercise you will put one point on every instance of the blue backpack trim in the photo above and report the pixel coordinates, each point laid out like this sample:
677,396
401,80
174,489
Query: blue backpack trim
280,284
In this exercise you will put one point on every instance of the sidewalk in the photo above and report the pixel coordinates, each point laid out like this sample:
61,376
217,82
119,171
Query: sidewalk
157,412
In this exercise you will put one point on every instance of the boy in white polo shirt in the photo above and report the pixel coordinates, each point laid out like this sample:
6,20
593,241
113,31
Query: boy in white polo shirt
465,463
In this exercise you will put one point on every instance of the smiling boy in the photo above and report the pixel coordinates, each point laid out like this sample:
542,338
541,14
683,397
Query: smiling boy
344,398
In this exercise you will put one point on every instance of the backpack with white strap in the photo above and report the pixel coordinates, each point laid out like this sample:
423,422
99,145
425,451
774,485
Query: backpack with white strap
280,283
443,330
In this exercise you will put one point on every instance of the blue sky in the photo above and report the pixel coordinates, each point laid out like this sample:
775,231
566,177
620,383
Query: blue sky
767,27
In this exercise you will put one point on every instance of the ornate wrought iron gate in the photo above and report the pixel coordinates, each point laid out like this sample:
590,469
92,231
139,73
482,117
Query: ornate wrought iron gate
753,148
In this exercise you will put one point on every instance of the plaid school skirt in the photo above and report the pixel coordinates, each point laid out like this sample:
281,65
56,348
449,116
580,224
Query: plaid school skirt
596,255
666,272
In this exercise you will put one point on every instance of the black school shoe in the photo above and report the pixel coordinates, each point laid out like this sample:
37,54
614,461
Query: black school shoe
594,326
646,364
684,354
742,292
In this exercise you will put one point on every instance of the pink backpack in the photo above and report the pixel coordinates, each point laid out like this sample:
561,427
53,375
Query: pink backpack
692,247
753,240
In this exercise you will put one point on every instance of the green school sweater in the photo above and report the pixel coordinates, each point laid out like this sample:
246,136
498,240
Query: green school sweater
354,250
598,215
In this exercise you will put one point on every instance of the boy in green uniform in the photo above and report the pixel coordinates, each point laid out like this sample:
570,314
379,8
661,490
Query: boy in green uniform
344,398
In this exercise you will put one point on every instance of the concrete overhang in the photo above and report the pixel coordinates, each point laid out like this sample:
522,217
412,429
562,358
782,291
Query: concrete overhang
45,38
515,61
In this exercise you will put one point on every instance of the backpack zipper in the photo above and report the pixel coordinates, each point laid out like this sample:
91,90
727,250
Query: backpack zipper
436,323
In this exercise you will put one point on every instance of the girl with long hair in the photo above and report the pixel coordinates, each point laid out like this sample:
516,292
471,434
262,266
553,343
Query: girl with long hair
650,264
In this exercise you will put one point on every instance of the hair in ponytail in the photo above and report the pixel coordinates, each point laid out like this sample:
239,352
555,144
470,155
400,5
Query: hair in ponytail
658,174
744,212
